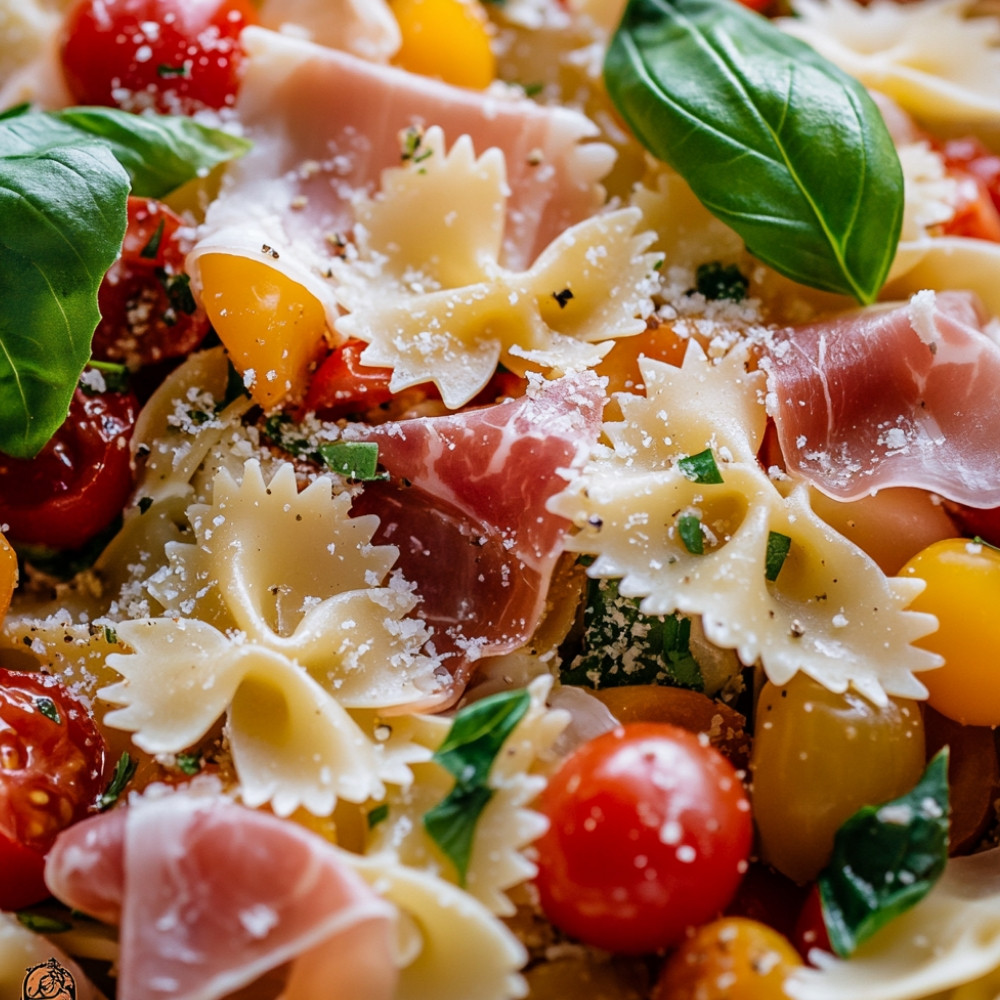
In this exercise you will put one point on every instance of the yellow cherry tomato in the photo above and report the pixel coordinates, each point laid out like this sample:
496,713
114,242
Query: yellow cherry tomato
734,958
8,575
963,591
272,327
817,758
447,39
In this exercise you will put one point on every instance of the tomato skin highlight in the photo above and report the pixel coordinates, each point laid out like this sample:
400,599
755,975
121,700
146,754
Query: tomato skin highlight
141,321
79,482
53,761
649,834
174,56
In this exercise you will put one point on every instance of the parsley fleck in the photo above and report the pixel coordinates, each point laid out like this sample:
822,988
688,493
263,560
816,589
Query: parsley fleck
163,70
152,248
700,468
689,528
188,763
124,771
777,552
378,815
47,707
716,281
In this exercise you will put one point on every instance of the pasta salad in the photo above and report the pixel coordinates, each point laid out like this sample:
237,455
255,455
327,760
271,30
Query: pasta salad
499,499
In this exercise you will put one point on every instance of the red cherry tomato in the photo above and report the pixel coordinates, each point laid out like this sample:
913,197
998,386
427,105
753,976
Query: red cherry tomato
810,929
342,385
174,56
977,172
147,310
52,772
79,482
649,835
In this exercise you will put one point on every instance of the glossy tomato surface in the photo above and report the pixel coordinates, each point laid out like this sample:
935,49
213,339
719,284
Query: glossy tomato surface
649,835
52,772
174,56
148,313
79,482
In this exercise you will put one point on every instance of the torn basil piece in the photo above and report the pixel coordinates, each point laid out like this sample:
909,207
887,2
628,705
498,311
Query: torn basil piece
354,459
701,468
778,546
689,528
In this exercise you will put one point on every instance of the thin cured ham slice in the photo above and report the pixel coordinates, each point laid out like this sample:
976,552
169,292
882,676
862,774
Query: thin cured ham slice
467,508
902,394
211,895
325,124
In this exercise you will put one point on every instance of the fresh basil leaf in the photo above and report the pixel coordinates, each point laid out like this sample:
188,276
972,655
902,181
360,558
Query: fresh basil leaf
689,528
467,754
124,771
160,152
774,140
62,222
886,859
622,646
700,468
354,459
778,546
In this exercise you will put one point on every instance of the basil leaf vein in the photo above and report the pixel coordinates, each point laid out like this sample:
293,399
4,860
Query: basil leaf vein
775,141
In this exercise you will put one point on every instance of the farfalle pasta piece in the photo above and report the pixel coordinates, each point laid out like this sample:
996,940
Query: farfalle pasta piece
292,743
831,613
506,826
291,572
930,57
452,947
447,311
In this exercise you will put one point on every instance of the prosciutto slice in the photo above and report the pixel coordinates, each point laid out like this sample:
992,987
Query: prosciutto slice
467,508
210,896
903,394
325,124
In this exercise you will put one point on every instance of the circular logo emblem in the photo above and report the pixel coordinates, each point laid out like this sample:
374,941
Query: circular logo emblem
48,981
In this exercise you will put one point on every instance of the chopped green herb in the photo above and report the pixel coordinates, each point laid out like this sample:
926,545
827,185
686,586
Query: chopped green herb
354,459
467,753
689,528
886,859
152,248
41,924
47,707
188,763
701,468
531,89
110,635
124,771
716,281
144,504
622,646
413,146
165,71
199,416
378,815
179,294
116,377
778,546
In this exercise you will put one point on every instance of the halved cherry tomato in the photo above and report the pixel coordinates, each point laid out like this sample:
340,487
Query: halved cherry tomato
174,56
53,761
810,929
147,310
649,835
342,385
977,171
79,482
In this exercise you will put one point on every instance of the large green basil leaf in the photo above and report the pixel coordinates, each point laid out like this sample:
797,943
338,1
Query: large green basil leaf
886,859
467,754
774,140
160,152
62,222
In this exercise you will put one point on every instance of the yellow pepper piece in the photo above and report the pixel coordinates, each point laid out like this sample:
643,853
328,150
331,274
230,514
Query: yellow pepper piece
447,39
272,327
8,575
